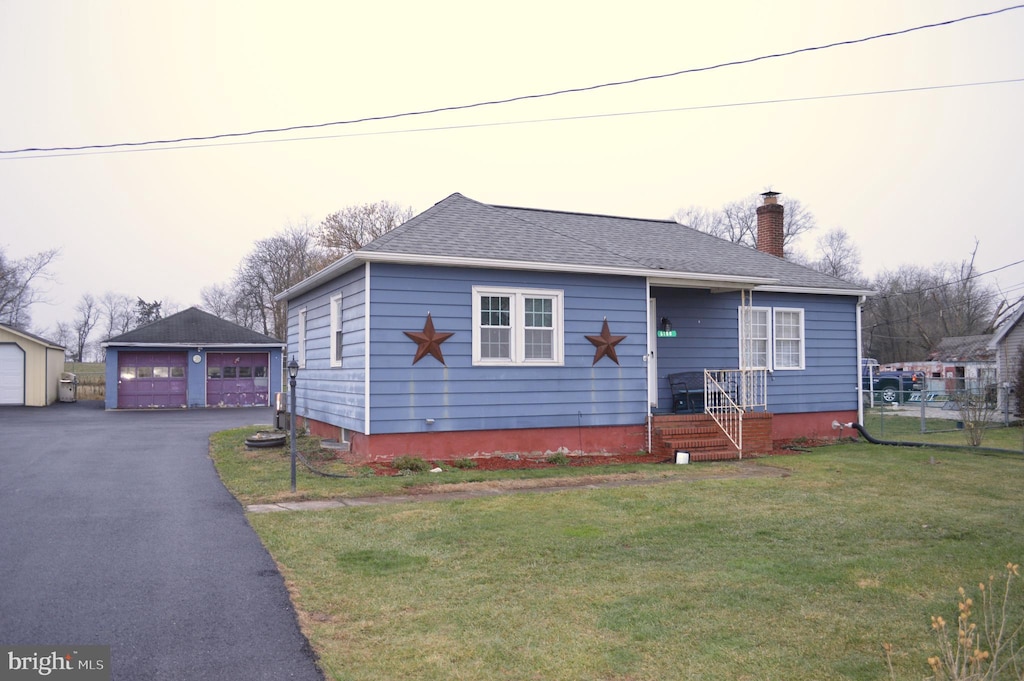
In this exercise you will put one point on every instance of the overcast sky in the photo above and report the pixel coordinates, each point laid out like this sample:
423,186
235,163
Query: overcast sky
915,177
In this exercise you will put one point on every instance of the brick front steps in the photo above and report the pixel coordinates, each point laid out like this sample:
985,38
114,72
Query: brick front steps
699,435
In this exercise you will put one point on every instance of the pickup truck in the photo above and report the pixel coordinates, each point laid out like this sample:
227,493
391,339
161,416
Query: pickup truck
890,386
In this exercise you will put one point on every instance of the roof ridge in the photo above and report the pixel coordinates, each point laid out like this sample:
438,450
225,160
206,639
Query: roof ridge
507,210
588,215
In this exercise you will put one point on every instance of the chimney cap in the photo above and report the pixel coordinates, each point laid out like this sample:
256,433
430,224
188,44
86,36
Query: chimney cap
769,197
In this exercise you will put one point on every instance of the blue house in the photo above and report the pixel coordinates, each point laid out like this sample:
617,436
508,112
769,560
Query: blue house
192,359
476,328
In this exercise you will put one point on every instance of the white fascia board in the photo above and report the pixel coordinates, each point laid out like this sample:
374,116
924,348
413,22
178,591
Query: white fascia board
184,346
816,291
339,267
663,277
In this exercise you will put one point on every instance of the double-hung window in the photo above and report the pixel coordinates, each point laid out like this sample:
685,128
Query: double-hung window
772,338
517,326
337,317
789,338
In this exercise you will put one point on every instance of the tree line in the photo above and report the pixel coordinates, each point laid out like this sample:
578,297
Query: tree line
916,306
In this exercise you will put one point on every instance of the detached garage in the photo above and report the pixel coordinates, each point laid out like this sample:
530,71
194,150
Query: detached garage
192,359
30,368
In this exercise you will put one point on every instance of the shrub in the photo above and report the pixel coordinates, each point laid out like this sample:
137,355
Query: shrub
413,464
558,458
988,651
464,463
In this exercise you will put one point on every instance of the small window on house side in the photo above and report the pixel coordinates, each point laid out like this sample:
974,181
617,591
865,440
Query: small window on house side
337,319
302,338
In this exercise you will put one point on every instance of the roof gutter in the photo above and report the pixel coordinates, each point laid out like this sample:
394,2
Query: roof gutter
815,290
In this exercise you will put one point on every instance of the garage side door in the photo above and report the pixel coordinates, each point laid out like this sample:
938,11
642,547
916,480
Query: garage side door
12,374
151,380
237,379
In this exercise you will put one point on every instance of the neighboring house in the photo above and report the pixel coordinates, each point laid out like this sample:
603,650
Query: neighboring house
957,363
192,359
30,368
1008,344
474,328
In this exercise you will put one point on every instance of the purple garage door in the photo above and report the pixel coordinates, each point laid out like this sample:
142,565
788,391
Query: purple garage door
237,379
151,380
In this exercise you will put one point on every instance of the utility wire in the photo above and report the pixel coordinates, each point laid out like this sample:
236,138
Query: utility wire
493,124
519,98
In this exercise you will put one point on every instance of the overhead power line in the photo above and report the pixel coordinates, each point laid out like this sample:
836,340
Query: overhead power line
518,98
493,124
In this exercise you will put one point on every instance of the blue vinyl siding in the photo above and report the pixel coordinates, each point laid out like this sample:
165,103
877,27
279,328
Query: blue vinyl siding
334,395
708,338
461,396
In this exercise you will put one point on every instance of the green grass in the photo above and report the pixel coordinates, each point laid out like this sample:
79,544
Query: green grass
797,578
264,476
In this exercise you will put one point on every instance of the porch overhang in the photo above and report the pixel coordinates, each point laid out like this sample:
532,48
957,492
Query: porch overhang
716,283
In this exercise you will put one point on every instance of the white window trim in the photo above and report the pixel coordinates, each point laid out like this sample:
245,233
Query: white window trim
773,338
802,339
517,310
301,333
769,344
336,325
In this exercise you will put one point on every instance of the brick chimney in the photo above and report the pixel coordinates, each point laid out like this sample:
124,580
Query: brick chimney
769,225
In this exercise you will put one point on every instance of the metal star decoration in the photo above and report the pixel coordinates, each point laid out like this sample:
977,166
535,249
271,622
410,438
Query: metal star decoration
605,344
429,341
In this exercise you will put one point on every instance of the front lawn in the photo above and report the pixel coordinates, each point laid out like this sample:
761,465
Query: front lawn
803,577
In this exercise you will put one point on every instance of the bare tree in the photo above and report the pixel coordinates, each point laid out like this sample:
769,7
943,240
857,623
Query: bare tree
117,311
838,256
351,228
916,308
19,281
62,336
736,221
86,316
273,265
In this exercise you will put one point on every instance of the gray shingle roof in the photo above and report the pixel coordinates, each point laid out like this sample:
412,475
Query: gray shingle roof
463,228
193,327
965,349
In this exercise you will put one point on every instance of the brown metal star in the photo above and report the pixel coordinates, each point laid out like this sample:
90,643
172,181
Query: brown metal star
429,341
605,344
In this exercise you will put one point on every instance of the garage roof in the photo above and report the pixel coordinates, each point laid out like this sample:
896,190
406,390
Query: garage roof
192,327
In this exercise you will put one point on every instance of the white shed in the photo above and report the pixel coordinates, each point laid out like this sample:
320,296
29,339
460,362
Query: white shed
30,368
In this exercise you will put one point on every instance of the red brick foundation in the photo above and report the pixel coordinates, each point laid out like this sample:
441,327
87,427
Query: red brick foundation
466,443
814,426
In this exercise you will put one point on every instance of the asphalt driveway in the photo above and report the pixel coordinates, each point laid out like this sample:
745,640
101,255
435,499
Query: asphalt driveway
115,530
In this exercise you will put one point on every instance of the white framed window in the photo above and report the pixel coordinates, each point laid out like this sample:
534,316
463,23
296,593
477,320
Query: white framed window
337,333
302,338
517,326
755,340
772,338
789,338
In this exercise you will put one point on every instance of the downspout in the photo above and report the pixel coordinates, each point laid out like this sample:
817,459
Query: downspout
650,411
860,360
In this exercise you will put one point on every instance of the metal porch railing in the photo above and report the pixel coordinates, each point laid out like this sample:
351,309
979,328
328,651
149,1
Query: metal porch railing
728,393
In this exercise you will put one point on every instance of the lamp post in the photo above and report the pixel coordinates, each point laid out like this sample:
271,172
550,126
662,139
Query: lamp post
293,371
